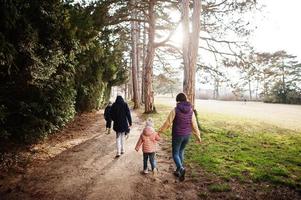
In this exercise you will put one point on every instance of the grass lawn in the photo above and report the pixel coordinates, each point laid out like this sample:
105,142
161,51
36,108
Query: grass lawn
244,149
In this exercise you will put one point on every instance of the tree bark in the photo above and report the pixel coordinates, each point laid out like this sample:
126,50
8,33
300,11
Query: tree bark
125,90
134,58
250,90
148,90
190,47
186,39
143,63
257,86
216,88
139,80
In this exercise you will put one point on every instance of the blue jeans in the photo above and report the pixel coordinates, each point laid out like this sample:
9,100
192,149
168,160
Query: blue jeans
178,146
152,160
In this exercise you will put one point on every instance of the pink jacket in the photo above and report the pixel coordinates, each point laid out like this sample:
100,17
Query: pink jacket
148,139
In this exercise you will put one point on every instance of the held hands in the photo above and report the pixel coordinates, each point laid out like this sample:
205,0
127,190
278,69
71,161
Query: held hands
198,140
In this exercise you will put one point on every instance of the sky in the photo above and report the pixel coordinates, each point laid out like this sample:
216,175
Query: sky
278,27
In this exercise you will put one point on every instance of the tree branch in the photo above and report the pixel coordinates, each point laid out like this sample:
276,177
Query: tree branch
219,52
169,36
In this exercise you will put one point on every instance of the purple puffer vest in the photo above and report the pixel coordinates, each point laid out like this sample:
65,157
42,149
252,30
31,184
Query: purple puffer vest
182,122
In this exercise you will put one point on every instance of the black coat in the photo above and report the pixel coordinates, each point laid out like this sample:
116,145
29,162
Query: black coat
107,116
120,114
107,113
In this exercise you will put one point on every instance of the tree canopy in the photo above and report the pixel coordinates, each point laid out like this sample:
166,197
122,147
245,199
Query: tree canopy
56,58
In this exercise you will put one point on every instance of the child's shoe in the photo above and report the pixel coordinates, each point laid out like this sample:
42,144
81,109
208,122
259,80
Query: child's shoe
145,171
155,172
182,174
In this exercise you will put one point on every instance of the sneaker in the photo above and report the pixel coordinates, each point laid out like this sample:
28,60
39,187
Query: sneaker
117,156
182,174
145,171
122,152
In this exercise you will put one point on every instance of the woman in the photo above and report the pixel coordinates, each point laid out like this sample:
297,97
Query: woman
121,116
183,123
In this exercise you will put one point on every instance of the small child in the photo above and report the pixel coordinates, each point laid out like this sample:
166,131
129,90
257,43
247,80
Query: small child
107,116
148,139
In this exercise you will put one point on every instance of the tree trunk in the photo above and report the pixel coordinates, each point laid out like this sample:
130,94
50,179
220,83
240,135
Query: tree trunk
257,86
264,85
186,35
125,90
250,90
148,92
139,80
216,88
143,63
190,47
130,90
283,84
134,57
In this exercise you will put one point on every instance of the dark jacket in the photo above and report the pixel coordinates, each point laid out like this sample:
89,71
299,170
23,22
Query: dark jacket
107,113
182,122
120,114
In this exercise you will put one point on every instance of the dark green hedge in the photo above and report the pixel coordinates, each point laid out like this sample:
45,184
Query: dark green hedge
53,61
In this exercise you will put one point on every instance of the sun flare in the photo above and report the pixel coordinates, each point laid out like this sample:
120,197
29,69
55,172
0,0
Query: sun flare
177,37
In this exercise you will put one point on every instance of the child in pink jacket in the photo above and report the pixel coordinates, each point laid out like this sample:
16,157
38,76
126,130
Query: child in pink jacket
148,139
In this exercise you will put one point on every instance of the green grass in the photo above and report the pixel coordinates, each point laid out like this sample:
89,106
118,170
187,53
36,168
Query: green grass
244,149
219,187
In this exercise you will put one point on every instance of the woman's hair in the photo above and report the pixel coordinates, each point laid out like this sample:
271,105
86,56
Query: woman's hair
181,97
149,122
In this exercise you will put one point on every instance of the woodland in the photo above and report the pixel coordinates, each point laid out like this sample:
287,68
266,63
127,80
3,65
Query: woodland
61,58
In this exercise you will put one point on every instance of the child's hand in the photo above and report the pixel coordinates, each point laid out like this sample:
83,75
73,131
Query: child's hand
137,149
199,141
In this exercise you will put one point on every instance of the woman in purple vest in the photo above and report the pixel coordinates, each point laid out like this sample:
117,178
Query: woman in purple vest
183,123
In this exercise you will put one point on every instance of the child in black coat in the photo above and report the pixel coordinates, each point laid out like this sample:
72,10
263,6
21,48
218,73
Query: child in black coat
108,119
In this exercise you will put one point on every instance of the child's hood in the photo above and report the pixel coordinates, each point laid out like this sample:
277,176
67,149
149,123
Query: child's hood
148,131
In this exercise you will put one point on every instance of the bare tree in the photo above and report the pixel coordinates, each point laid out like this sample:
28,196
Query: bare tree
149,60
134,56
190,46
143,63
139,67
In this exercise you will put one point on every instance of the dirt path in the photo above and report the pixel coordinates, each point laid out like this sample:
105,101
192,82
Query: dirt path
81,165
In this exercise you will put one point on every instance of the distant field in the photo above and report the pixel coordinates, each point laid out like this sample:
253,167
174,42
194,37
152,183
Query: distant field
284,116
